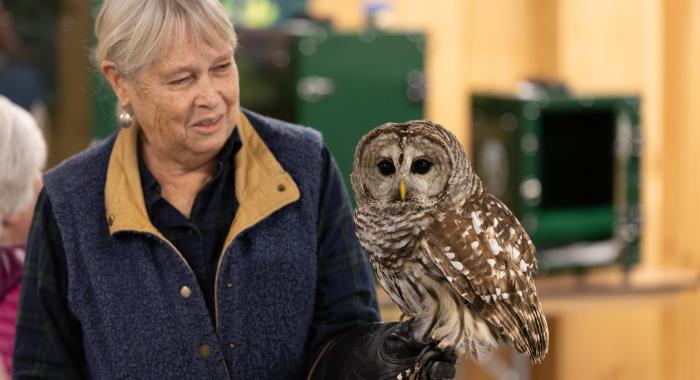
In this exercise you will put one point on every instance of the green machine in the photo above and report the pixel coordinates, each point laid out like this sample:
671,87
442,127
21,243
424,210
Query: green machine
342,84
568,167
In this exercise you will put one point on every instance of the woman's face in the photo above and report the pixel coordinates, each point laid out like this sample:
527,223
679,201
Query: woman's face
187,103
15,226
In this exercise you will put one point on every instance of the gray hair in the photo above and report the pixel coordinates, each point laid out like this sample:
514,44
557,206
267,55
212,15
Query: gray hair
135,33
22,156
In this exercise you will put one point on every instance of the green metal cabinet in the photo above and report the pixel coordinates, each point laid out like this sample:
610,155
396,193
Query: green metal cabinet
569,168
340,84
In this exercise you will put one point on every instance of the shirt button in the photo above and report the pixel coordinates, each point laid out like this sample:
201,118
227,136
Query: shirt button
281,188
185,292
204,351
110,220
229,285
231,345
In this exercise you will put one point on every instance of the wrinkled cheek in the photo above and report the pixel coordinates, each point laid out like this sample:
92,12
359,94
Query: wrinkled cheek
232,96
166,130
233,117
233,106
232,90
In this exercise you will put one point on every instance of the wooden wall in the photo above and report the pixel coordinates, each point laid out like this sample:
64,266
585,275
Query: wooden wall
648,47
681,181
70,118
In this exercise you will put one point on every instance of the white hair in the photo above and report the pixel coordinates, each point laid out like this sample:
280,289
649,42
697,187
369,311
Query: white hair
135,33
22,156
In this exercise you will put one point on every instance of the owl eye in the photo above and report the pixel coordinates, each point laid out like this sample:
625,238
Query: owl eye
386,167
421,166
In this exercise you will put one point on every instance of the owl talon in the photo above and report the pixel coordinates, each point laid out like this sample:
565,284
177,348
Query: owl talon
438,337
409,374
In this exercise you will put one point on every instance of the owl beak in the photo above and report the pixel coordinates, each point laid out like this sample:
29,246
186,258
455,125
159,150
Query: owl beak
402,190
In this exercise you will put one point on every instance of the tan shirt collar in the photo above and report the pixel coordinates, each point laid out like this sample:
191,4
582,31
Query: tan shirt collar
262,185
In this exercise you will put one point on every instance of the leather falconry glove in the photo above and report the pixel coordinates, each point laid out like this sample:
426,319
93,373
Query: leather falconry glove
383,351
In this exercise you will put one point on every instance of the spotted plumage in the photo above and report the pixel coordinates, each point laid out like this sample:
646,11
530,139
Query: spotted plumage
449,254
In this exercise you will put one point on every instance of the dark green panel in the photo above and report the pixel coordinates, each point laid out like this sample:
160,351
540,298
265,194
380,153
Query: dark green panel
103,111
563,226
364,81
104,120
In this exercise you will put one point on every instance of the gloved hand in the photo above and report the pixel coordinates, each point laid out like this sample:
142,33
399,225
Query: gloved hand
383,351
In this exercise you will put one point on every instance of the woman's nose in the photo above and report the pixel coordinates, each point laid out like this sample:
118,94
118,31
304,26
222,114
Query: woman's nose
207,95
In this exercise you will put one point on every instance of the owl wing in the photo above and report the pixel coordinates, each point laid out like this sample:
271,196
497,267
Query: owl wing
488,258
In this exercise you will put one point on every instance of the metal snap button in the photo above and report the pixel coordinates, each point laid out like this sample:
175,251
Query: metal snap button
204,351
185,292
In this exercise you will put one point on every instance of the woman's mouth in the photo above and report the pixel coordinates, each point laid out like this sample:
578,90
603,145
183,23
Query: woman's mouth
208,125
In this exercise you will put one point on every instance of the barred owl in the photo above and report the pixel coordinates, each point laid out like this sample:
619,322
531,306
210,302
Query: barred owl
449,254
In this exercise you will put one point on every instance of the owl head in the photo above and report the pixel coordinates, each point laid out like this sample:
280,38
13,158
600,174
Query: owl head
417,162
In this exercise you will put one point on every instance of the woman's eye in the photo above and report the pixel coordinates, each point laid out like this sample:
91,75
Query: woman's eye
222,68
421,166
179,81
386,167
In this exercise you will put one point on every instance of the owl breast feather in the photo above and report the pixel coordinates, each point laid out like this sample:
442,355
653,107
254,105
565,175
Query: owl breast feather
391,238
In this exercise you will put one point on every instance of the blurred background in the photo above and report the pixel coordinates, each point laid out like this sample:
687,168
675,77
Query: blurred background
582,115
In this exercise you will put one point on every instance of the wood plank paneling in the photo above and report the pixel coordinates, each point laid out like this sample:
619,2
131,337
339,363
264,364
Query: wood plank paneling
70,119
682,181
614,345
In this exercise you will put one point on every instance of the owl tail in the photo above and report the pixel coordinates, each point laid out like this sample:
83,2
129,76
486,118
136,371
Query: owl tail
524,326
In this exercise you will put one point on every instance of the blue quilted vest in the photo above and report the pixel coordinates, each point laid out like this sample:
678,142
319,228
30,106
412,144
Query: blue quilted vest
139,305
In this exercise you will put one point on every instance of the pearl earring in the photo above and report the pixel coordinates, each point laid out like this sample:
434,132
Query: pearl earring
125,119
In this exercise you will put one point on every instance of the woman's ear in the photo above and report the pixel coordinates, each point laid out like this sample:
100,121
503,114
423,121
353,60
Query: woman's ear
116,80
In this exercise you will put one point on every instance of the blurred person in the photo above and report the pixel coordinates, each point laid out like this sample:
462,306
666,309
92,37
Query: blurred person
20,79
202,240
22,157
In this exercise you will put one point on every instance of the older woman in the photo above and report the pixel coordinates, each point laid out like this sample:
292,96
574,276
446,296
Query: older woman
201,241
22,157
